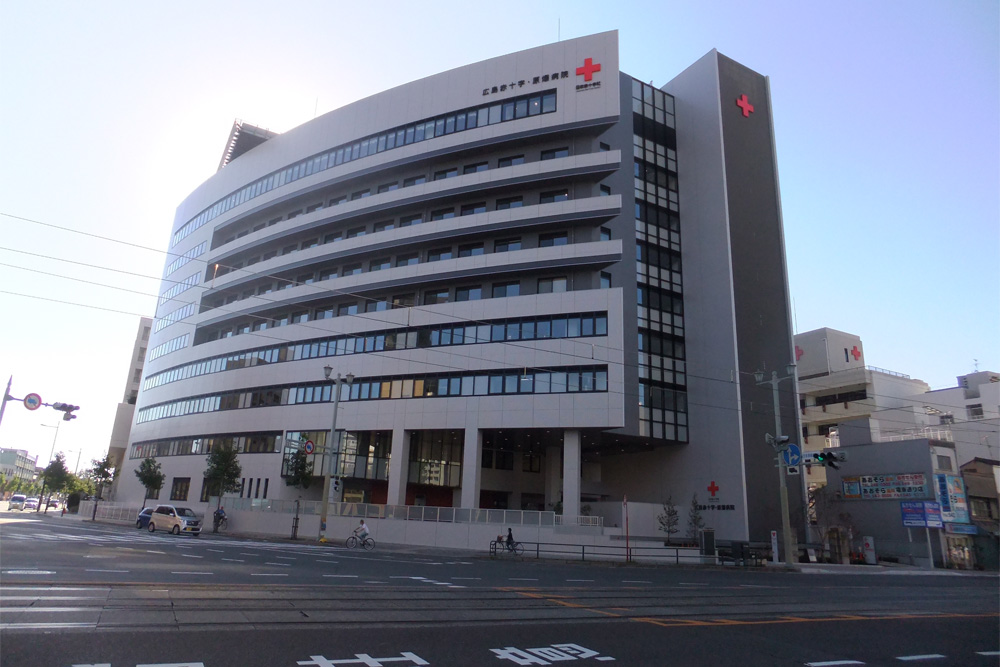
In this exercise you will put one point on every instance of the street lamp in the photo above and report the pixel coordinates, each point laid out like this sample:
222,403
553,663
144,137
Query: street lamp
786,524
328,372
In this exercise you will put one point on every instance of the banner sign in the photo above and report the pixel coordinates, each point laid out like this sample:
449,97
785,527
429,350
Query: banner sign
886,487
950,490
921,514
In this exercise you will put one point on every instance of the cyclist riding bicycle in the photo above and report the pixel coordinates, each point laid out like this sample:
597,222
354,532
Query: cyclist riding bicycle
362,530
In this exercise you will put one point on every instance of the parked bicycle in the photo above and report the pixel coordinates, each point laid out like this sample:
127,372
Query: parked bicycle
354,541
219,520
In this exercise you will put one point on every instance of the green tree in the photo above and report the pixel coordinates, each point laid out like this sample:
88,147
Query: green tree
150,476
299,469
55,477
223,472
695,522
101,472
669,517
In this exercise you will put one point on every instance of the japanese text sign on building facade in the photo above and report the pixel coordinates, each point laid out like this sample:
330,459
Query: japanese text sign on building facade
950,491
921,514
886,487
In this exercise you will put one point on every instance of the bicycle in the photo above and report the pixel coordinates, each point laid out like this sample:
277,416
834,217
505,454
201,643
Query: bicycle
354,541
220,524
516,548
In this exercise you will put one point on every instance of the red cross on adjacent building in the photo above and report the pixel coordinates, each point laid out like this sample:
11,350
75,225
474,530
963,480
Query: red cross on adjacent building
588,69
798,352
856,353
741,102
712,488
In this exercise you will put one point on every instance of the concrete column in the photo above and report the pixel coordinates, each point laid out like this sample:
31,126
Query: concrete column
472,468
399,466
552,467
571,474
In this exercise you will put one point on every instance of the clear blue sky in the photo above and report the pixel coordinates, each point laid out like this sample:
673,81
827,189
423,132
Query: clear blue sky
886,116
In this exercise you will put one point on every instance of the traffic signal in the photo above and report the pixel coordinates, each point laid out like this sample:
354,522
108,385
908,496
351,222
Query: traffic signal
67,409
830,457
336,484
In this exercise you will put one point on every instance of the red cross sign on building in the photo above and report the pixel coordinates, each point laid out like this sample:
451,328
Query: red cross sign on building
856,353
588,69
798,352
712,488
741,102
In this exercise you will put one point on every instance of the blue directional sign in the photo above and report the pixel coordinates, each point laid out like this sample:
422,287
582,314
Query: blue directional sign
792,456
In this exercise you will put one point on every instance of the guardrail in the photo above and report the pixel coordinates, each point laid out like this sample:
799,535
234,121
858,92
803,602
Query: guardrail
606,552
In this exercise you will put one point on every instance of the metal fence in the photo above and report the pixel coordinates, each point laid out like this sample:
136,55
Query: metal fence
411,512
119,512
605,552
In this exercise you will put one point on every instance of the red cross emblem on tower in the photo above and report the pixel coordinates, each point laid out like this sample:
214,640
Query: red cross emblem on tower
588,69
856,353
712,488
741,102
798,352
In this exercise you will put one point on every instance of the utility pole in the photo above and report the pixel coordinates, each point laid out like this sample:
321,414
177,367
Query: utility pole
780,443
328,453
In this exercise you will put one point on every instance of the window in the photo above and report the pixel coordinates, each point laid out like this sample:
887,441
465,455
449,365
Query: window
264,289
553,196
435,296
407,259
506,245
510,161
379,264
289,249
347,309
402,300
408,220
414,180
501,290
604,147
605,190
388,187
180,487
271,254
323,314
471,250
509,202
944,463
976,411
299,318
469,293
137,376
376,305
383,226
352,270
446,173
605,280
356,232
554,153
473,168
553,239
443,214
360,194
306,279
549,285
338,200
333,237
472,209
438,254
605,234
142,355
326,274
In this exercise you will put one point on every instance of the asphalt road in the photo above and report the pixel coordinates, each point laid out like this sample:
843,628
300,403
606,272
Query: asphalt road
76,593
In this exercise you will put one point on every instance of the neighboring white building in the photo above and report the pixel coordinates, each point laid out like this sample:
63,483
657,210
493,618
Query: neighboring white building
550,281
835,386
17,464
126,409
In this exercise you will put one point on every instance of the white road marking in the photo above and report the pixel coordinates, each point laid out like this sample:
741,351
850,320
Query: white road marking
119,571
257,574
8,598
280,564
635,581
331,562
467,578
190,556
512,579
987,652
150,551
833,663
929,656
342,576
45,588
285,557
218,551
44,626
205,573
691,583
579,580
235,560
28,572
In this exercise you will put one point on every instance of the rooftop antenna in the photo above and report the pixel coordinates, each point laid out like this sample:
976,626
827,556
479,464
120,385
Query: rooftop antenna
975,365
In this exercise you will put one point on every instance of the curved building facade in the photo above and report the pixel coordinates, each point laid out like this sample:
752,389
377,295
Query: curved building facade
500,257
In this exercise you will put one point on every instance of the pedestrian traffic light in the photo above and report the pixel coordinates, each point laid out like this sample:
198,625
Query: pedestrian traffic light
67,409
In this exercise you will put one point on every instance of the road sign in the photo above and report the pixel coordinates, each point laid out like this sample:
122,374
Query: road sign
793,455
310,447
792,470
32,401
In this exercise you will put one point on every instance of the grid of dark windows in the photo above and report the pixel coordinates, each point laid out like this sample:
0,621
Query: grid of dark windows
436,458
573,325
179,287
557,380
266,442
175,316
467,119
196,251
661,354
180,488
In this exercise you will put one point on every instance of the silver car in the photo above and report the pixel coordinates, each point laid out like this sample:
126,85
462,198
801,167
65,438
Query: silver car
177,520
16,502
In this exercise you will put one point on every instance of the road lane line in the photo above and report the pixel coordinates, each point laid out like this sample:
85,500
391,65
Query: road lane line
113,571
204,573
342,576
246,554
218,551
929,656
265,574
280,564
331,562
235,560
190,556
514,579
579,580
635,581
833,663
987,652
285,557
150,551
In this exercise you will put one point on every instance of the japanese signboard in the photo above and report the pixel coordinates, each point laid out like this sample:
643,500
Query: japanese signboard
950,490
922,514
886,487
